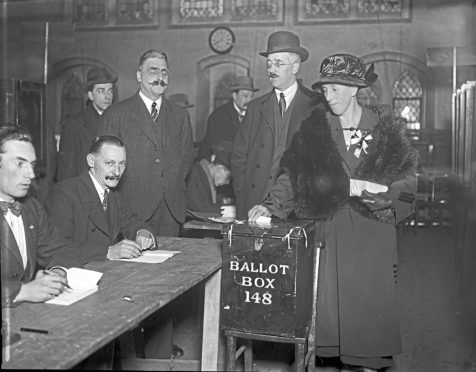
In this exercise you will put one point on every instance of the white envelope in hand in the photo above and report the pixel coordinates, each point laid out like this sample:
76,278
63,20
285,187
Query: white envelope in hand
358,186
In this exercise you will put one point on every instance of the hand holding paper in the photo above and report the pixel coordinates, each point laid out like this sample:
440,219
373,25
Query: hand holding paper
358,186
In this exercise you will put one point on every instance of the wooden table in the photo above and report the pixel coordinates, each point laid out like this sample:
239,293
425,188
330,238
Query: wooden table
78,330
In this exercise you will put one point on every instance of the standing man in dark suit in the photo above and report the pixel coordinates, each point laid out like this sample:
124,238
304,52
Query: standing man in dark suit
158,136
269,124
79,130
225,120
27,237
91,215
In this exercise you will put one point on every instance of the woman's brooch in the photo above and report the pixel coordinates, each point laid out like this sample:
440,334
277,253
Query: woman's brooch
361,139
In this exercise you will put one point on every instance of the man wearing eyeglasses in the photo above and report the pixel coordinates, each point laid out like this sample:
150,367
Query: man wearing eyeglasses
269,124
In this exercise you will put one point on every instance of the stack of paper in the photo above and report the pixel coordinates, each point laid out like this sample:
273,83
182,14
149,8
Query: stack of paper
357,186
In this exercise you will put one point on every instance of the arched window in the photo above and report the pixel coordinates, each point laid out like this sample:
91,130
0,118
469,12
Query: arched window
407,97
370,95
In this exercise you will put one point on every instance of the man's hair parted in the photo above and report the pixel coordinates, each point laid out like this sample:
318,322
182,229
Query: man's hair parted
101,140
152,53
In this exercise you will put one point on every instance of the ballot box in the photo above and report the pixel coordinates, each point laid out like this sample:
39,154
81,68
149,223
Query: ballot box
267,278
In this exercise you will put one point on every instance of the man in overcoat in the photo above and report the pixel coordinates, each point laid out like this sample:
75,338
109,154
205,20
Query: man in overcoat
28,238
268,126
79,130
91,215
158,138
224,121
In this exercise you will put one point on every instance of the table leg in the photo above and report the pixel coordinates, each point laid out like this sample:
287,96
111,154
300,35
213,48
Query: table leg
299,356
211,323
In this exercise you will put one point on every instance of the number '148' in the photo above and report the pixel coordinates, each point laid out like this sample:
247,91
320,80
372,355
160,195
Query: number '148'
256,297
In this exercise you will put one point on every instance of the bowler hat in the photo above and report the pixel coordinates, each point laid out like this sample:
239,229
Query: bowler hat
285,41
345,69
222,152
180,99
243,82
99,75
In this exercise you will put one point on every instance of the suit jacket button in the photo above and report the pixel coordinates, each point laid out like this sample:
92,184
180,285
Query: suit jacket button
157,160
257,166
14,276
253,186
93,229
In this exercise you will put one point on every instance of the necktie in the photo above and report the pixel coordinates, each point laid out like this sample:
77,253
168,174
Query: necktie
15,207
105,200
282,104
154,112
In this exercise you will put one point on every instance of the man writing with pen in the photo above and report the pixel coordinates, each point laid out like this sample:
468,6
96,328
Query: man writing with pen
28,239
91,215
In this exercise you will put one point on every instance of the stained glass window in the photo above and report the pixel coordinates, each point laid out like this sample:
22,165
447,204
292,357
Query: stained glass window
407,99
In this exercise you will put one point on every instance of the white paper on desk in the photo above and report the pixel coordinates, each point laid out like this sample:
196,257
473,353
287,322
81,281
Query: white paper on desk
157,256
264,221
82,283
358,186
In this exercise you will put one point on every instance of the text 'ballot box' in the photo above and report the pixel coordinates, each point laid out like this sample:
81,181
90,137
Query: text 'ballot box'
267,278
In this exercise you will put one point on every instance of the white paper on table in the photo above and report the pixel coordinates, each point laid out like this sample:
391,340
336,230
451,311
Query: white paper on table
262,220
358,186
157,256
82,283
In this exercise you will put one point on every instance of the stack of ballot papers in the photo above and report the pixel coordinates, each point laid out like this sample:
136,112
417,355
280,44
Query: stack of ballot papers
358,186
82,283
156,256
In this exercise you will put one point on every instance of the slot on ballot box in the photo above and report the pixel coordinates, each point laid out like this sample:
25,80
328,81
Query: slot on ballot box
267,277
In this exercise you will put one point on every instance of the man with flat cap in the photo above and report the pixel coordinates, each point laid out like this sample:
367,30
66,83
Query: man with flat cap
79,131
269,124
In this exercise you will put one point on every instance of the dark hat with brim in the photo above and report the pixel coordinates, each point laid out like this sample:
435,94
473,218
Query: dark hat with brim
285,41
345,69
180,99
222,152
243,83
99,75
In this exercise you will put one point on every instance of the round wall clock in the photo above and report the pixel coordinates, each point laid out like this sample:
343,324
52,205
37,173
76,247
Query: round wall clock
221,40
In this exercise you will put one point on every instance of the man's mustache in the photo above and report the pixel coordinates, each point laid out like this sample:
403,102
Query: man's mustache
113,177
159,82
273,75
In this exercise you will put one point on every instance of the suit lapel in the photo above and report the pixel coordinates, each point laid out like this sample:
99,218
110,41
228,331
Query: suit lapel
267,110
91,203
30,225
8,240
92,121
297,115
114,215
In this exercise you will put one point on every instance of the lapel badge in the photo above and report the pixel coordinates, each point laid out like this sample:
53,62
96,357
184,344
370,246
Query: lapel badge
31,227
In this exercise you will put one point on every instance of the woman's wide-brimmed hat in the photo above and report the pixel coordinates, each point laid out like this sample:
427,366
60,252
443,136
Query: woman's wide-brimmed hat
345,69
180,99
244,83
98,75
285,41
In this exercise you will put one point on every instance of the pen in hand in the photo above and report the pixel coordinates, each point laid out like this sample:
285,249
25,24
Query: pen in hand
47,272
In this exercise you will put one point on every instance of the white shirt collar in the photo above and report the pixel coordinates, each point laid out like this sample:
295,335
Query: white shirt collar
100,190
148,102
240,112
289,93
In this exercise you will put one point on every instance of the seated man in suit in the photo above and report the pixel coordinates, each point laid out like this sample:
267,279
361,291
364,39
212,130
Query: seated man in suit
94,218
91,214
28,239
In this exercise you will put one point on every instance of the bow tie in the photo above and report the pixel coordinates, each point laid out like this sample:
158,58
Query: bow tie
15,207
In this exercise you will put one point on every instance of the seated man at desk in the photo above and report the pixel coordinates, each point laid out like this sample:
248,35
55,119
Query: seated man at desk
91,214
204,178
94,218
27,237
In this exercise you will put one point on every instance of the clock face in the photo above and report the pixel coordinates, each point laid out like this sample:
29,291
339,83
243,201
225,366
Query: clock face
221,40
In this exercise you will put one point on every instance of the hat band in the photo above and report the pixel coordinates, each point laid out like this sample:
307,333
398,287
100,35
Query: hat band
342,76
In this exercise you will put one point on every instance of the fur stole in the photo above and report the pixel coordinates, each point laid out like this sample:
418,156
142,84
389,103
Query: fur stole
316,170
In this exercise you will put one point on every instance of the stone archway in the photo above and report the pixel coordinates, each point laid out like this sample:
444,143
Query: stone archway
215,74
